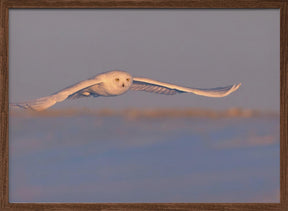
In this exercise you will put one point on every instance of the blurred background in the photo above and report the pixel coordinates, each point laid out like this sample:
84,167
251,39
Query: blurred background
143,147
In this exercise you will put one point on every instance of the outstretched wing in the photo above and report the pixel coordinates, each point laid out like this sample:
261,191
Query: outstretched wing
149,85
46,102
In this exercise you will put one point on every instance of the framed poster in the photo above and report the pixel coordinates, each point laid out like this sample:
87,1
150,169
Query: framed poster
133,149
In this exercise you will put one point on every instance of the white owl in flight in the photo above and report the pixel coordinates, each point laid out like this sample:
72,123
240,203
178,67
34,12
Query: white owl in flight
115,83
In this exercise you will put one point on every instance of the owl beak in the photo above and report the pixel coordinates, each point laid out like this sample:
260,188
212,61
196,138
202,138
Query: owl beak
123,85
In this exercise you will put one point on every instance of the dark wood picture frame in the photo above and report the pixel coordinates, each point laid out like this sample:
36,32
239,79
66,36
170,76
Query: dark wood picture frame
282,5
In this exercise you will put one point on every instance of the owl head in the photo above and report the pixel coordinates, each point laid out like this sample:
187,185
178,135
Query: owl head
118,82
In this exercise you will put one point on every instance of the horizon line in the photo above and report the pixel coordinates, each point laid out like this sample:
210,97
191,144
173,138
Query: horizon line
135,113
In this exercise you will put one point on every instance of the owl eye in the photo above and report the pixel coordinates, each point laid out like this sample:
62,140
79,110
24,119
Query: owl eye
128,79
117,79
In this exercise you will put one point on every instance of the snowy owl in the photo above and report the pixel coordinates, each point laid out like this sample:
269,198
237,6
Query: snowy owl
115,83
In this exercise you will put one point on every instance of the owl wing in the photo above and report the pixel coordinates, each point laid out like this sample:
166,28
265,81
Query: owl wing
86,92
46,102
149,85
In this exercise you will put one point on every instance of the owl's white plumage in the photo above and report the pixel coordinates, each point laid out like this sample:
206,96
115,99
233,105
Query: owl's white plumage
115,83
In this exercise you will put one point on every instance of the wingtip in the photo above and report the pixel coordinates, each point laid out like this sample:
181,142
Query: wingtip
233,89
239,85
236,86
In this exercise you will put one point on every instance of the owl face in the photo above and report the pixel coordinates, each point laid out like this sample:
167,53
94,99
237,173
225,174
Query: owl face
119,82
122,80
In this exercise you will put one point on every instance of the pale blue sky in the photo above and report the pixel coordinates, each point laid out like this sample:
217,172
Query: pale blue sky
52,49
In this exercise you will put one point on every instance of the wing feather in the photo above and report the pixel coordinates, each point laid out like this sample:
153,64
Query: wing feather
141,86
46,102
149,85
